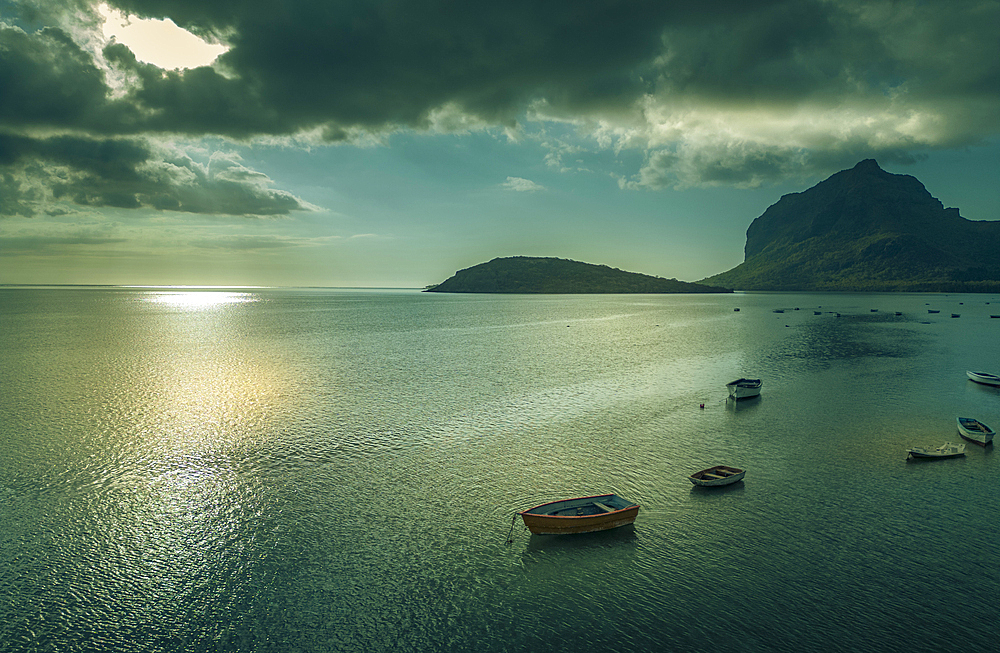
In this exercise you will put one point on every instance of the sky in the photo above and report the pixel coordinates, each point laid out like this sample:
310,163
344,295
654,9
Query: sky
390,143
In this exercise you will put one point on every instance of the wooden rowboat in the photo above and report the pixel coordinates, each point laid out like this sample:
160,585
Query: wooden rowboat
718,475
580,515
975,431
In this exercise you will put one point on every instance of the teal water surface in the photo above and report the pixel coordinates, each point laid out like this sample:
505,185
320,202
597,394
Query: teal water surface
334,470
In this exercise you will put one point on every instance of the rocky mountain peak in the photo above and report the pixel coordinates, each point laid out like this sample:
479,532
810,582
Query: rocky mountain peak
866,229
849,204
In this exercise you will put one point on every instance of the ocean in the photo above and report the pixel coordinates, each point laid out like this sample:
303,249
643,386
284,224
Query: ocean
303,470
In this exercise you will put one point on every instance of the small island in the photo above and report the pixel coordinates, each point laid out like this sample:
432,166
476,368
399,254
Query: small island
543,275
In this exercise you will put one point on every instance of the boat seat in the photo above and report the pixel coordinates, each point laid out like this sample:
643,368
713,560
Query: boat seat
604,507
712,476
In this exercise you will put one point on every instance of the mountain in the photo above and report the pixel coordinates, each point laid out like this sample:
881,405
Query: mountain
524,274
870,230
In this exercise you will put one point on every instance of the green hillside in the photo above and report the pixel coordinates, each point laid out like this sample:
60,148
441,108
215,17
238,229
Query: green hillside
523,274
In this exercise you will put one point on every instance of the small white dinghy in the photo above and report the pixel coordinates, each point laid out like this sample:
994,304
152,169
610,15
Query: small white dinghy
744,388
946,450
975,431
718,475
984,377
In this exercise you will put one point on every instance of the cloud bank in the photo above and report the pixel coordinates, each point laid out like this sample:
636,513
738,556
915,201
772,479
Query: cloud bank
712,93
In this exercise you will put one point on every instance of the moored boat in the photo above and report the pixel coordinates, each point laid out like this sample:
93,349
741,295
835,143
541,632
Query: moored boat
744,388
580,515
975,431
984,377
718,475
946,450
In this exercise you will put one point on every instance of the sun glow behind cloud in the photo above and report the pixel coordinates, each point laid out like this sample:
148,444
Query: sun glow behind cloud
159,42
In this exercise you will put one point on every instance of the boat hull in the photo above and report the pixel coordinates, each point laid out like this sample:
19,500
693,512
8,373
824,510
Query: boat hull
920,453
573,517
744,388
984,378
975,431
717,476
946,450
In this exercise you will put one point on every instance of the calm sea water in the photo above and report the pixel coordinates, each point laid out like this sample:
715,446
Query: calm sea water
321,470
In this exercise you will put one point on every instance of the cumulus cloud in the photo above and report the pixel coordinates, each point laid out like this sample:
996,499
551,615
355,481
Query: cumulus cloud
714,92
130,173
521,185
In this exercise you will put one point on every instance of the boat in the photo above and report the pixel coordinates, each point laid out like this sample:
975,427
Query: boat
930,311
718,475
975,431
984,377
955,315
946,450
580,515
744,388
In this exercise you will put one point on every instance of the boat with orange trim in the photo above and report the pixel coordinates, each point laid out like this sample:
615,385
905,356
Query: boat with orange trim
580,515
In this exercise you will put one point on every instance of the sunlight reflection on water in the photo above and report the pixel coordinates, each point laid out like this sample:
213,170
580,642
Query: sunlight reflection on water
200,299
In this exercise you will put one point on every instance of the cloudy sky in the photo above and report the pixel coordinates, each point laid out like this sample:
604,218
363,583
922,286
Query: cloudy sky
392,142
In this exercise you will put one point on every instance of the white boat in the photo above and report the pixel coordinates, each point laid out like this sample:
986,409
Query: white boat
975,431
744,388
718,475
946,450
984,377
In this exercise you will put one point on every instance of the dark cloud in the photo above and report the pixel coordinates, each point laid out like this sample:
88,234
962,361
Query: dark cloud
679,80
309,63
381,64
48,81
129,173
